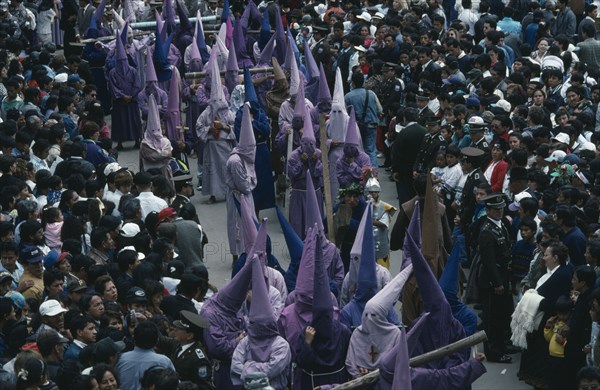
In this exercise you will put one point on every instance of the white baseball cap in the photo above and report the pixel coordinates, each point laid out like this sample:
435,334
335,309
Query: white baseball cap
51,308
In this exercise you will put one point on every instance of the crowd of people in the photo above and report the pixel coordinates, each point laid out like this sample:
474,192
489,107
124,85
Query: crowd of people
485,116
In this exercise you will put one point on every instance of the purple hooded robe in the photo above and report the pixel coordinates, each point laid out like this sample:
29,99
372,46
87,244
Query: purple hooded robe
349,167
124,87
152,88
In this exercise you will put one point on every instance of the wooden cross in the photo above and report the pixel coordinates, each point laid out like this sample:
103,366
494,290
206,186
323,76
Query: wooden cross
373,354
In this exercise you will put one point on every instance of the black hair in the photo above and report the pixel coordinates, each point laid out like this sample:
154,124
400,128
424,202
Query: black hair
146,335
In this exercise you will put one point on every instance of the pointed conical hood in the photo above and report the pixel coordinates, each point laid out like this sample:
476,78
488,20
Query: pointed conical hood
225,13
196,64
239,41
222,33
200,40
312,75
265,32
121,54
414,229
150,72
389,294
402,379
413,335
246,132
312,210
300,105
174,114
307,132
233,294
261,311
277,71
232,73
169,16
366,286
295,247
432,249
120,22
217,96
352,134
184,21
356,250
280,49
338,92
125,33
260,244
162,67
306,273
222,53
99,14
160,26
311,65
249,90
324,93
430,290
153,123
322,308
266,53
290,58
92,31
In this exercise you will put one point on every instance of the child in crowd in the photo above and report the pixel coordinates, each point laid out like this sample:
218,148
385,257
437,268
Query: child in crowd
556,333
52,221
382,217
522,254
440,167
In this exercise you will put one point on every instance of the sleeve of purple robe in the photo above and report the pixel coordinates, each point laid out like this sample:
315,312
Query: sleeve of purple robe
142,100
335,270
240,177
237,362
203,125
347,173
202,96
457,377
316,169
363,160
219,342
296,167
276,367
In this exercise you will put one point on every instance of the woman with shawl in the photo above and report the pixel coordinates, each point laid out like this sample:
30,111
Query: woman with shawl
214,128
155,150
124,87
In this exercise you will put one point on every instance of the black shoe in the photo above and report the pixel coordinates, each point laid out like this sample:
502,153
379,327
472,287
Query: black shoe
500,359
120,146
384,166
137,145
511,350
477,306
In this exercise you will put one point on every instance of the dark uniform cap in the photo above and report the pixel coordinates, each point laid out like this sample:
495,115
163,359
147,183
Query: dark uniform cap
518,173
432,120
320,29
191,322
500,144
135,295
471,155
76,285
5,277
494,201
107,347
420,96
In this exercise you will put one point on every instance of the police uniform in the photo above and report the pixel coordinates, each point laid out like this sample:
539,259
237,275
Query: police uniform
321,51
483,146
425,112
193,364
493,272
474,178
431,144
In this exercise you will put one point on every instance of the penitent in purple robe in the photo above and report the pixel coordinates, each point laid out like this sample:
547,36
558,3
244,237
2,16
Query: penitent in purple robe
350,165
124,87
222,310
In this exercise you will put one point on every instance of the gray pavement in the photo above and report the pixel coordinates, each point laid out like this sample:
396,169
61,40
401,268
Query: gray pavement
218,259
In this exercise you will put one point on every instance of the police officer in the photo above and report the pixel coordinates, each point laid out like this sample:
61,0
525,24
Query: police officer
321,50
470,163
431,144
185,190
190,359
424,111
493,271
477,128
391,86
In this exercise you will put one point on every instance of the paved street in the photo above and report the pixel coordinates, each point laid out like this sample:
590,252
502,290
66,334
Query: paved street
218,259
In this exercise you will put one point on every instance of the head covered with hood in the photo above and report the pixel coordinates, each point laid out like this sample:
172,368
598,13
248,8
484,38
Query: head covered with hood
200,41
295,247
337,125
308,142
324,95
218,103
376,334
153,136
352,143
246,147
196,64
232,71
262,329
312,75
